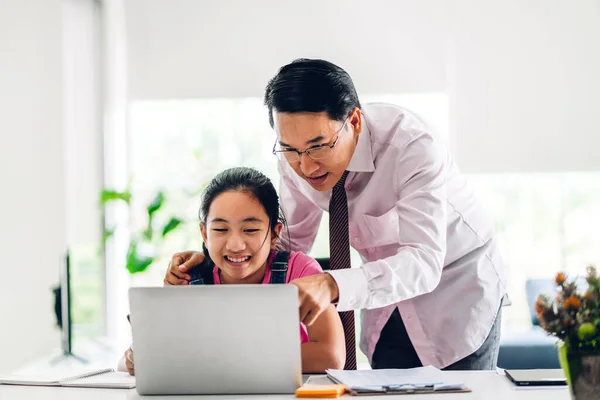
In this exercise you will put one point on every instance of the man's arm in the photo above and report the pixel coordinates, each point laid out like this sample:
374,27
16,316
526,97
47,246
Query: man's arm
416,268
301,214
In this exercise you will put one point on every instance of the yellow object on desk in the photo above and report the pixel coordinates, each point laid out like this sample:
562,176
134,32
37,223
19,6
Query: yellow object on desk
320,391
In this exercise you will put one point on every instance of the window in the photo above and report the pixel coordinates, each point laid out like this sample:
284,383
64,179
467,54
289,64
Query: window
545,223
177,146
87,293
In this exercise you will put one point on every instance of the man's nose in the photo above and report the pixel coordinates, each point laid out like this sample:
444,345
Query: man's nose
308,166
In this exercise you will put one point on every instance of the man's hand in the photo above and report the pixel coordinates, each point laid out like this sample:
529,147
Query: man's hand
180,264
315,294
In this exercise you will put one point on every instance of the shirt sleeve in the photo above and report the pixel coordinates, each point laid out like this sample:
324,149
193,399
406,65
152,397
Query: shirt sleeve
419,183
301,214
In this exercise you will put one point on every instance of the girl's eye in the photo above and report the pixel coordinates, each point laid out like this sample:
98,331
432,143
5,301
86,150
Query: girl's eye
219,229
252,230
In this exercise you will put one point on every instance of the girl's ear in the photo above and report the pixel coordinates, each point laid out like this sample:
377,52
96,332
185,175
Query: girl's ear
274,238
203,231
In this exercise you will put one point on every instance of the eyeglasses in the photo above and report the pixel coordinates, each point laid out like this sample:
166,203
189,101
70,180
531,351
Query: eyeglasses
316,153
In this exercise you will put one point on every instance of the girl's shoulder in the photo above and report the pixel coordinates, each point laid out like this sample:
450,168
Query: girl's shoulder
300,265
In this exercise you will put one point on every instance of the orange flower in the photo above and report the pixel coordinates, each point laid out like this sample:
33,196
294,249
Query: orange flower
572,302
540,307
560,279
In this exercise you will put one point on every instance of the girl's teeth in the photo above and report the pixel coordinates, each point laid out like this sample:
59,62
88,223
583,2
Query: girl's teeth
237,259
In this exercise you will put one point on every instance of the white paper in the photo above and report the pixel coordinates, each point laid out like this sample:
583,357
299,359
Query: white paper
117,380
55,377
42,379
380,378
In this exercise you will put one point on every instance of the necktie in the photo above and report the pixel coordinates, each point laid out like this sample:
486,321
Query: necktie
339,258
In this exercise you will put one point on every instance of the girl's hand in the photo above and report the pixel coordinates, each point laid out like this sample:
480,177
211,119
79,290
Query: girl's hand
129,361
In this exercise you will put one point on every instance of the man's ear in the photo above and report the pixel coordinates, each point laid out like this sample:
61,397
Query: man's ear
203,232
278,229
355,121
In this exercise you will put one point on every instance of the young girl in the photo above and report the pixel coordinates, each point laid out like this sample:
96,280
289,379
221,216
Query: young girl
240,224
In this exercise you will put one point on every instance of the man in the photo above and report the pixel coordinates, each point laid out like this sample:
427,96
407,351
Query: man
432,281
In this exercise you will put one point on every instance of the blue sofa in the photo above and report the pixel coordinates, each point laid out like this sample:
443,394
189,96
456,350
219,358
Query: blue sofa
532,348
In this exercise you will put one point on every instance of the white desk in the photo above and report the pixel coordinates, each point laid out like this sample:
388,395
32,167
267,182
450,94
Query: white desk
486,385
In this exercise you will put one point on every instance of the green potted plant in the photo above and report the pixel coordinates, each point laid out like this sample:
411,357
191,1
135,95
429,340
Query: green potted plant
145,243
574,317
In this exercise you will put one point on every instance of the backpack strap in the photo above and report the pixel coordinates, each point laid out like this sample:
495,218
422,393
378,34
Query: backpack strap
203,274
279,267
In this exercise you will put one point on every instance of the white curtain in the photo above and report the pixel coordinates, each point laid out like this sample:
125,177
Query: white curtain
521,76
231,48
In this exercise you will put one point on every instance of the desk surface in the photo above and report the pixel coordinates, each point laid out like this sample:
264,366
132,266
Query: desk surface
488,385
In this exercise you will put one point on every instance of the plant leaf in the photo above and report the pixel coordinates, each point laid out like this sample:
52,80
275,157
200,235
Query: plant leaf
107,233
171,225
148,232
156,204
137,262
108,195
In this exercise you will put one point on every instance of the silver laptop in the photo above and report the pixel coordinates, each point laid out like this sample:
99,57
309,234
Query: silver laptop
216,339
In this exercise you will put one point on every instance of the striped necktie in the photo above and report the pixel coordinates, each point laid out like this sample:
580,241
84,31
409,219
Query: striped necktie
339,255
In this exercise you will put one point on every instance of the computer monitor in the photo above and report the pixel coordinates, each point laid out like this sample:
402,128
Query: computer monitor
63,311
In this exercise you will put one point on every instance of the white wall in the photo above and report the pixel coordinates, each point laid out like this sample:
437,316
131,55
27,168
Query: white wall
521,74
83,144
50,161
524,86
116,168
231,48
32,204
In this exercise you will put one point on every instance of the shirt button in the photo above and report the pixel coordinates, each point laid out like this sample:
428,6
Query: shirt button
356,238
372,249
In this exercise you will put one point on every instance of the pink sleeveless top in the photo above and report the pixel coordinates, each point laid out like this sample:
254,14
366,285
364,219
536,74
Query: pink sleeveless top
299,265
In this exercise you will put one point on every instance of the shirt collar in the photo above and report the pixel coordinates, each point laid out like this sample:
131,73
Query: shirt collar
362,159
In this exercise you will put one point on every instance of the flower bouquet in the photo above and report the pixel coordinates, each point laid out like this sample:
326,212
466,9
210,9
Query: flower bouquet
574,317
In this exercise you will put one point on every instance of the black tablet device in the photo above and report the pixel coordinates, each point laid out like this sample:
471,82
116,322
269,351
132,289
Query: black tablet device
536,377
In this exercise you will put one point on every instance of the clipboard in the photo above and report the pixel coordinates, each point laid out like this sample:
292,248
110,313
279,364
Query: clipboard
423,380
405,389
